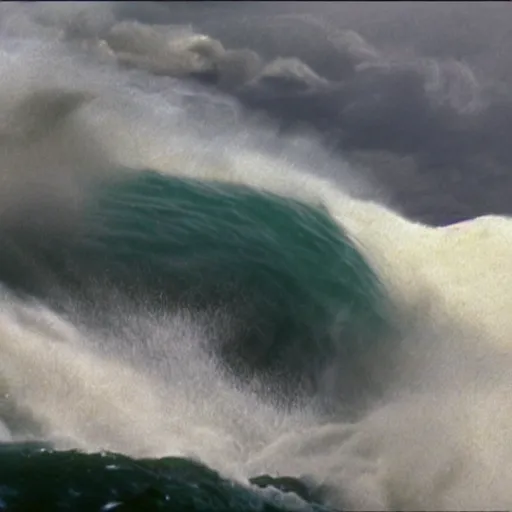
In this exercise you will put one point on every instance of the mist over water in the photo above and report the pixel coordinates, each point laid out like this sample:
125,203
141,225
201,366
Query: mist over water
282,323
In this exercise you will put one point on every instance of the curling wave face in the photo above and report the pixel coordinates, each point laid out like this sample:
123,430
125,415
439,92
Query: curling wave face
203,246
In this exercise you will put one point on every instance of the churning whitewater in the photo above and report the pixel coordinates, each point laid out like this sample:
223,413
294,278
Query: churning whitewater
181,279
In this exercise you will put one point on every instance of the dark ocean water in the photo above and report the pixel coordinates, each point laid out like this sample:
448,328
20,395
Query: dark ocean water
36,478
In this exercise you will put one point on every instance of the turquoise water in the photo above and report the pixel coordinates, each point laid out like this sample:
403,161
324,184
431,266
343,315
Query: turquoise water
295,288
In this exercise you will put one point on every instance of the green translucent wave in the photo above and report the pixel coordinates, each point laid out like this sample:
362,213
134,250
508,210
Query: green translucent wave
295,286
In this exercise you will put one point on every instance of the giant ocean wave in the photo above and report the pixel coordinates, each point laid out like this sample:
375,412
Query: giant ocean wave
202,310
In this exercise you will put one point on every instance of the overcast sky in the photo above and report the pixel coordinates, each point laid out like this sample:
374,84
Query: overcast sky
415,94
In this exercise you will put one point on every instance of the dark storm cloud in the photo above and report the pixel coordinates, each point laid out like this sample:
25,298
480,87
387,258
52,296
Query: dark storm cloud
417,93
